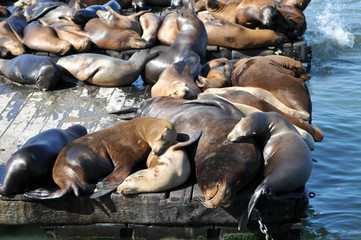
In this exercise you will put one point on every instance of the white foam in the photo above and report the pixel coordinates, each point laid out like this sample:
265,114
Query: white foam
332,26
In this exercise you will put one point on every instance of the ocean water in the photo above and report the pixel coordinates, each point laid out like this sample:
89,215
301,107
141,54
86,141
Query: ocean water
334,32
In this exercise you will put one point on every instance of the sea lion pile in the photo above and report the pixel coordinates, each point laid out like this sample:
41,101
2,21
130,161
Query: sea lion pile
229,121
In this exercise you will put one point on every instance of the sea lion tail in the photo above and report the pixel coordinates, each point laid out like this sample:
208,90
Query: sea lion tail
252,202
42,193
194,138
68,79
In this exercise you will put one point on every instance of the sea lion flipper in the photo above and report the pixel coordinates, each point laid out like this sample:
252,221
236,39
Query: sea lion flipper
42,193
190,141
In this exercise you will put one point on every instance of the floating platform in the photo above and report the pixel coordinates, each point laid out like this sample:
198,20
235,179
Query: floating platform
178,213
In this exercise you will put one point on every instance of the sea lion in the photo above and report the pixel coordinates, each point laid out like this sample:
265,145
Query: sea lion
192,38
39,9
285,79
79,43
215,74
112,38
244,99
249,13
248,109
39,36
300,4
116,20
53,15
38,71
150,24
224,33
288,160
82,16
222,167
11,33
177,80
164,172
264,95
110,154
30,167
296,17
107,71
149,4
168,30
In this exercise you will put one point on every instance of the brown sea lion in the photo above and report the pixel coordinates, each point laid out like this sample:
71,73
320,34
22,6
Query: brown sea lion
249,13
39,36
300,4
110,154
11,33
112,38
192,38
150,24
178,80
30,167
116,20
107,71
164,172
258,101
38,71
222,167
282,76
168,30
223,33
288,160
215,74
53,16
79,43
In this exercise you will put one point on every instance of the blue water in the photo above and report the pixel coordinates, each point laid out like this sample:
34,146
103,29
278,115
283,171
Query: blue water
334,32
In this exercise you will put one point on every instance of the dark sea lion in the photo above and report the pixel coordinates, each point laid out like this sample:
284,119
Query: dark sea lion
40,36
79,43
39,9
30,167
192,38
39,71
164,172
110,154
300,4
215,74
4,12
288,160
149,4
9,41
296,17
103,70
222,167
178,80
53,15
86,3
282,76
248,99
82,16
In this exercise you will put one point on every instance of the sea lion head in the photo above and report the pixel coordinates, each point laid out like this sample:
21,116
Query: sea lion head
161,135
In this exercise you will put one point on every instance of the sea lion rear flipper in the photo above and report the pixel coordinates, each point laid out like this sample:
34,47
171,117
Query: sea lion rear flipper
42,193
101,190
190,141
